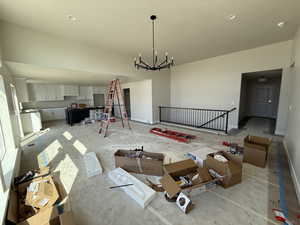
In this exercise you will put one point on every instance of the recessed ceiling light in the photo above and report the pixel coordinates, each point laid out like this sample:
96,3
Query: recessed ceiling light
232,17
281,24
71,17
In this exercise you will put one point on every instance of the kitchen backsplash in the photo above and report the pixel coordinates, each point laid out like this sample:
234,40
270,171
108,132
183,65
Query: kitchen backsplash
53,104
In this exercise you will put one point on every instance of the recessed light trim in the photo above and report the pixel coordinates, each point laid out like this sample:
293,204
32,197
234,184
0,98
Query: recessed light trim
232,17
281,24
71,18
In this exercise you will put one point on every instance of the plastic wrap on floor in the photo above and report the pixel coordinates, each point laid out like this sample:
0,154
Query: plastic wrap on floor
139,191
93,166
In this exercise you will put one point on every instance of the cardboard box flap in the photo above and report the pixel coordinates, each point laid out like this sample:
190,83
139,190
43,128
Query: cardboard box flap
257,142
12,212
170,186
66,219
181,168
42,217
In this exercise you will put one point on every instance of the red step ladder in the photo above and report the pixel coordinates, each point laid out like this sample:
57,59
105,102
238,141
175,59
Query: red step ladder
114,94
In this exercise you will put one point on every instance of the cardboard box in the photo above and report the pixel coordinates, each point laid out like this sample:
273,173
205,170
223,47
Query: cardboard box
183,168
200,155
145,163
20,209
256,150
49,216
231,170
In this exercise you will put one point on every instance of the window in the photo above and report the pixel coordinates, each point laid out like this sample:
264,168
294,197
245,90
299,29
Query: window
2,154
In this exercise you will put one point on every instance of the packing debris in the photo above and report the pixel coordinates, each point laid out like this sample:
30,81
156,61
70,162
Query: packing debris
178,136
139,191
234,148
93,166
35,200
184,203
31,174
139,161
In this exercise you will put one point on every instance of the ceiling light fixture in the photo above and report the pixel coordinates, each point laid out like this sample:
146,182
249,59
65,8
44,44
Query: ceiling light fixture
167,63
71,17
281,24
232,17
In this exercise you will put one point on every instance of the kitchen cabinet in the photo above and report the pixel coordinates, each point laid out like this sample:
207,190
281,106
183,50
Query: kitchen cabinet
70,90
53,114
31,122
46,92
85,93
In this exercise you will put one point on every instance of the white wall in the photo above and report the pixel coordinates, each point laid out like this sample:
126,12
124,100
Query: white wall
292,138
216,82
141,100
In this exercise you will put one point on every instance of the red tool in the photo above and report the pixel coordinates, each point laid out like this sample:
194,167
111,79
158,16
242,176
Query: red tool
178,136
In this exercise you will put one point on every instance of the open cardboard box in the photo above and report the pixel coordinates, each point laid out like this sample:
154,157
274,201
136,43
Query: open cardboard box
256,150
21,210
183,168
231,170
149,164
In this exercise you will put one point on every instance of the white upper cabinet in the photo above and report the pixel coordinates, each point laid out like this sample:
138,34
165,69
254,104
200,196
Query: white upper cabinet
70,90
45,92
85,93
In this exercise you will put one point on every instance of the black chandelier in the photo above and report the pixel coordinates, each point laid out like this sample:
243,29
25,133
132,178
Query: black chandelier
167,63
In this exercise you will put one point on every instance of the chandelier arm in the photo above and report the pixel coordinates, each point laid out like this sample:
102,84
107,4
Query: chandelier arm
144,67
144,63
162,63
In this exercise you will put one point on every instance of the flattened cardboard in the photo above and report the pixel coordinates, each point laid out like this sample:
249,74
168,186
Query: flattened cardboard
183,168
232,170
151,165
256,150
46,191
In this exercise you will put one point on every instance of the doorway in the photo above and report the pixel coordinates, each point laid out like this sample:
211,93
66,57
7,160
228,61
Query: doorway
259,98
127,101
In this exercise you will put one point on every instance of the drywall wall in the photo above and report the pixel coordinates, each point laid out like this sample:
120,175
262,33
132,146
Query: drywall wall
292,139
141,100
160,92
215,82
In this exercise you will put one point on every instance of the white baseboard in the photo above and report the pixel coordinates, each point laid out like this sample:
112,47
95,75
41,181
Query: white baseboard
293,172
140,120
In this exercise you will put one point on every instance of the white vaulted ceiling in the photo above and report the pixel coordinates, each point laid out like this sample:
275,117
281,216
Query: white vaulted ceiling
188,30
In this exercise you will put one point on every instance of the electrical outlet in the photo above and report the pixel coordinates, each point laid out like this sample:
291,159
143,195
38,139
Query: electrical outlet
290,108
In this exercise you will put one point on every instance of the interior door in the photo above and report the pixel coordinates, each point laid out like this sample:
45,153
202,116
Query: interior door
263,101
